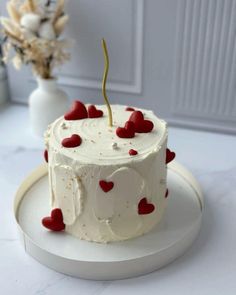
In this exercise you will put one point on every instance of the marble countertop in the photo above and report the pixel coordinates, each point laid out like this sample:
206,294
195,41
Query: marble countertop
209,267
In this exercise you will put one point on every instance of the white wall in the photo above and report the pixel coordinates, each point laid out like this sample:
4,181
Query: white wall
177,57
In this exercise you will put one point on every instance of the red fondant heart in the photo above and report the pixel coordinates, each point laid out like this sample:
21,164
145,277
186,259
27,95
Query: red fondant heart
72,142
106,186
94,113
167,193
77,112
169,156
46,155
144,207
133,152
126,132
55,221
141,125
129,109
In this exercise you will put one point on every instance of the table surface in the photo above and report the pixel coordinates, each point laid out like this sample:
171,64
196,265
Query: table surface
209,267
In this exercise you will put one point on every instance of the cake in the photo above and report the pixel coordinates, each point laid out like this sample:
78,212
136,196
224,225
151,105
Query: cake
107,183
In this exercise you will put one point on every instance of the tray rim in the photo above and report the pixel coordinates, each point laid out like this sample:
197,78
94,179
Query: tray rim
31,246
42,170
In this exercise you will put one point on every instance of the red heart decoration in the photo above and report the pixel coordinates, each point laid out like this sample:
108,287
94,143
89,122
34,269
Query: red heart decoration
94,113
55,221
169,156
144,207
141,125
72,142
133,152
77,112
46,155
126,132
167,193
129,109
106,186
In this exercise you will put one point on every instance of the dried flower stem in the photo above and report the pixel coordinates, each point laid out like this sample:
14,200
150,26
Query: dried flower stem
13,13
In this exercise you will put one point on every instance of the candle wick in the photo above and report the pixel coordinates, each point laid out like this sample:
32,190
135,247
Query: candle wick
104,81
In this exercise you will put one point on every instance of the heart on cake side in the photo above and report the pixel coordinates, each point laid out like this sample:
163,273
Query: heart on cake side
72,142
169,156
144,207
77,112
106,186
126,132
93,112
55,221
133,152
167,193
141,125
46,156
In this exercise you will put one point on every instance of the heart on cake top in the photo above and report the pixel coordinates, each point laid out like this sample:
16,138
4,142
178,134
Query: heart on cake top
169,156
144,207
77,112
130,109
126,132
93,112
106,186
55,221
141,125
72,142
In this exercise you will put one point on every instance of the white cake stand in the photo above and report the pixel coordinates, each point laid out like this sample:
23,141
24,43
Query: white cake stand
119,260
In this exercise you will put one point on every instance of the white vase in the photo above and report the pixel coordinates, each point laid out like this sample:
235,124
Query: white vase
46,104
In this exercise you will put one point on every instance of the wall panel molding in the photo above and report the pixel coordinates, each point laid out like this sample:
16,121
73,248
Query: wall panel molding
135,84
205,57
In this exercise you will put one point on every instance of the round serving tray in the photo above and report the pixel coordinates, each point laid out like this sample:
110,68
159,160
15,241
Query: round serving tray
67,254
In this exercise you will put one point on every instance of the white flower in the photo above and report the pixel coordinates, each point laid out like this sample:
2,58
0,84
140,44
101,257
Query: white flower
31,21
46,31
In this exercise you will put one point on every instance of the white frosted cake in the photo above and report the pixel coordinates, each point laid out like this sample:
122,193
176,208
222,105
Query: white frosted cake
107,183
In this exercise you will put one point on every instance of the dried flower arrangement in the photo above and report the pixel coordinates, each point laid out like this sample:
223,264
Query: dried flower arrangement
33,31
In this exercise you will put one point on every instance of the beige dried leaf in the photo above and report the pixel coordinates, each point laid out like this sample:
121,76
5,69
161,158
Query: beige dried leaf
59,10
25,7
6,49
13,13
16,3
17,62
60,24
31,5
10,28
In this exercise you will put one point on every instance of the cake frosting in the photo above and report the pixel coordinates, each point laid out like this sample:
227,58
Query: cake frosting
108,188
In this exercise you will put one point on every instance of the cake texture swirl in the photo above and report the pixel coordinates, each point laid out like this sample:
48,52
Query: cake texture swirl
108,188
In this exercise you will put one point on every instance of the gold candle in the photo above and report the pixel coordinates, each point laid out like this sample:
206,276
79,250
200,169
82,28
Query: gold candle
104,81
